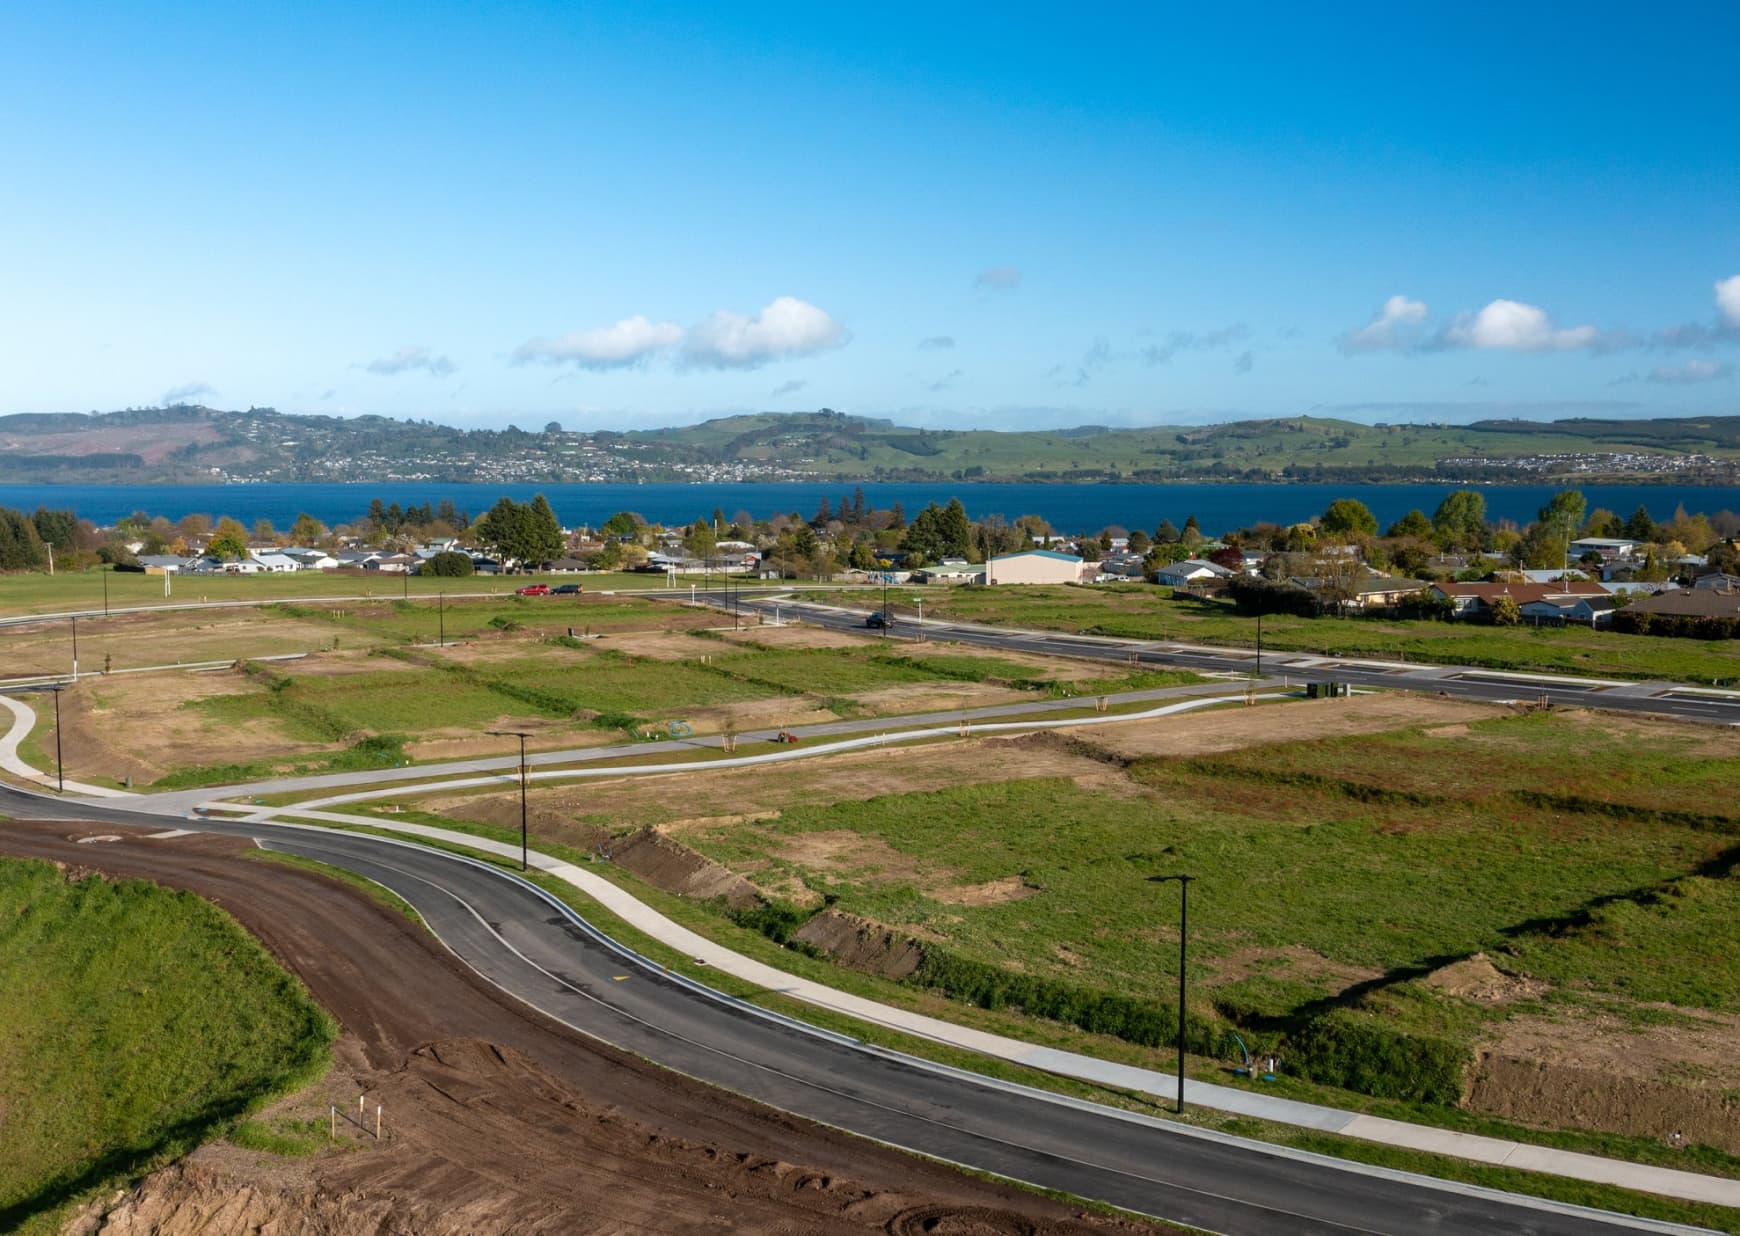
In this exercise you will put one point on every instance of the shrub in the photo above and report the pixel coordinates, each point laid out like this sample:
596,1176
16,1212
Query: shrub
449,564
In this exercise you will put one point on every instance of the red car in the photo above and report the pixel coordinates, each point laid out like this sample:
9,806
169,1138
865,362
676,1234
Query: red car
533,590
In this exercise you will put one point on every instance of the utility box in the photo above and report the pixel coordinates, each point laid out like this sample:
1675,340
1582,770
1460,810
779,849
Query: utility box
1325,690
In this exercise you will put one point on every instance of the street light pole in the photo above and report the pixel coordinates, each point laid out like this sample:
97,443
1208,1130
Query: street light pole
104,572
441,619
1259,642
1183,933
885,605
75,633
521,735
59,764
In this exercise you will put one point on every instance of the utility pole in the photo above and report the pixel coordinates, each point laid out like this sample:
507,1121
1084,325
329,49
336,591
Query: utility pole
1183,933
104,572
75,637
441,619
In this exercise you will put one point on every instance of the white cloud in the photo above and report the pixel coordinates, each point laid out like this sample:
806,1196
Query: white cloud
786,328
1512,326
181,394
1693,371
617,346
1389,327
1728,299
998,279
935,343
409,359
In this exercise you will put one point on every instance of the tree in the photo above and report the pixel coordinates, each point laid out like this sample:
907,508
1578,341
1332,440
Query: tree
700,541
57,528
544,533
1563,515
553,427
1505,611
1166,534
264,532
449,563
307,530
1414,524
1641,526
1460,519
897,516
823,514
1349,517
229,541
1139,542
21,548
1192,531
623,523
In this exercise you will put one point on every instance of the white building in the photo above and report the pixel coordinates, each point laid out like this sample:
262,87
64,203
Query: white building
1039,566
1190,571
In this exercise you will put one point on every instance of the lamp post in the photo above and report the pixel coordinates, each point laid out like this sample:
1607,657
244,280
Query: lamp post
441,619
885,605
75,637
1183,929
521,735
1259,641
104,572
59,767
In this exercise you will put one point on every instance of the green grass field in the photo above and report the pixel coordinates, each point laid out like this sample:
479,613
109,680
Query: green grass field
1321,889
139,1022
1144,612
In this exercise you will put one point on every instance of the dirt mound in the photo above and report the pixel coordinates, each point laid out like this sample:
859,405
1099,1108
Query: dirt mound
1476,978
862,944
675,868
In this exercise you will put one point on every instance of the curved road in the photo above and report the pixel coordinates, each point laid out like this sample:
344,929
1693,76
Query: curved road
540,952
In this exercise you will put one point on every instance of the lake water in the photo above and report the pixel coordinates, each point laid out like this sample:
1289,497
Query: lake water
1070,508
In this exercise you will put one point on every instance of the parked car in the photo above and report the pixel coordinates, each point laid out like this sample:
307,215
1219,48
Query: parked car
878,620
533,590
565,590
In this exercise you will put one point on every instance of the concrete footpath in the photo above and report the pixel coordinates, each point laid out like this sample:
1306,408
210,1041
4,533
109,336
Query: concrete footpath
1667,1182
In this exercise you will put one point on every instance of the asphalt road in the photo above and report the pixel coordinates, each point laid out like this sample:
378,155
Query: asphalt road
541,953
1662,699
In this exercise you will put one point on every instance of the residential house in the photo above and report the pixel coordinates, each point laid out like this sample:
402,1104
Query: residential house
949,573
164,564
1557,610
1190,571
1692,603
1476,600
1719,581
1606,547
1367,594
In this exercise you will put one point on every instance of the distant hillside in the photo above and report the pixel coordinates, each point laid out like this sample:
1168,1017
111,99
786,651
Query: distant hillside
194,444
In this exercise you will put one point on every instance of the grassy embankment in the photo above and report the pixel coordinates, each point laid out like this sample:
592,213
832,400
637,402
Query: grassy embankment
1144,612
1011,1021
139,1023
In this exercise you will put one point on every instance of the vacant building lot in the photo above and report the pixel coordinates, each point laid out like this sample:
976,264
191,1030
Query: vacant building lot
1519,912
376,688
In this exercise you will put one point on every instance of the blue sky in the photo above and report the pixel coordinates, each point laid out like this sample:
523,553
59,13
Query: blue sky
1002,216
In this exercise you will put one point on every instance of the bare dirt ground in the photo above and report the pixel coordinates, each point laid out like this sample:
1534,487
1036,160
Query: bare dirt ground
935,697
1228,730
500,1120
138,726
1580,1068
131,640
681,802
